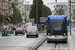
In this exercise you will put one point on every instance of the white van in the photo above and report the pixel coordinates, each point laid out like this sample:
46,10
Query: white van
32,30
29,24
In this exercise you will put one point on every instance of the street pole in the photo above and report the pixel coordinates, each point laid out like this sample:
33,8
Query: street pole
37,13
25,9
70,15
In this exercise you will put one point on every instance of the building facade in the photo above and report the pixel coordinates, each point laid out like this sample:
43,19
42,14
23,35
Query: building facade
1,7
72,10
6,5
19,4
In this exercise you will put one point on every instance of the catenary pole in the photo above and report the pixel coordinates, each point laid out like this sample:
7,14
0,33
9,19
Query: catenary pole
37,13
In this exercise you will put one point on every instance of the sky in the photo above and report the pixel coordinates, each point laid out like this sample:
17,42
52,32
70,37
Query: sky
46,2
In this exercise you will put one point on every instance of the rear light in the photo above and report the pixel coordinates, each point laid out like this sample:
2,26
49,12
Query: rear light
49,34
64,34
36,31
10,29
21,31
26,31
15,31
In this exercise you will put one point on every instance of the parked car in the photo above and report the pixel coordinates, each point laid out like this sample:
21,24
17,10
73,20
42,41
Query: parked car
14,28
32,30
19,31
29,24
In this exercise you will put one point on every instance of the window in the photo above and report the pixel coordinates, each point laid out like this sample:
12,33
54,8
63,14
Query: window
4,1
6,6
20,3
4,9
16,4
56,24
16,0
57,5
9,0
72,6
19,6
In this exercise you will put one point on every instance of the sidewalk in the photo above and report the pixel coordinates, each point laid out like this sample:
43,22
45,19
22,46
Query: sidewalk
8,34
0,34
42,31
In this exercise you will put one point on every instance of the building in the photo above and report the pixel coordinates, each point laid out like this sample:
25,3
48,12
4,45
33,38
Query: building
63,5
1,7
19,4
10,7
6,5
72,9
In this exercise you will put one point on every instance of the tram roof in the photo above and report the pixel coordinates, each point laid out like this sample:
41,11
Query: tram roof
56,17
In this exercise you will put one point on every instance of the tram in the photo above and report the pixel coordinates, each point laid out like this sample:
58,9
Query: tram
56,27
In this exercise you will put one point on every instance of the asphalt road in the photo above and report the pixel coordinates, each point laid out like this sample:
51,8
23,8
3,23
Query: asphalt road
19,42
60,46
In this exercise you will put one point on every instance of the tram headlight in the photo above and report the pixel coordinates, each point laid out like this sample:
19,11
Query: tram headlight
48,33
64,33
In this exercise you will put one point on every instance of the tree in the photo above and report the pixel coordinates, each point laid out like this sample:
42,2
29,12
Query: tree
47,11
60,12
43,11
33,10
1,18
16,16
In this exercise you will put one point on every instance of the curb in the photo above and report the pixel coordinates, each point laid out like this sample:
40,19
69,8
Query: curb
10,34
7,36
42,32
0,36
73,30
38,45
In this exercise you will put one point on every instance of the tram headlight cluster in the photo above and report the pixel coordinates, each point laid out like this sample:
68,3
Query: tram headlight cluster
49,34
64,33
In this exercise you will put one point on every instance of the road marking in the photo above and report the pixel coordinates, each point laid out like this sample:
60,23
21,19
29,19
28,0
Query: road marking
22,42
0,45
5,37
56,47
9,42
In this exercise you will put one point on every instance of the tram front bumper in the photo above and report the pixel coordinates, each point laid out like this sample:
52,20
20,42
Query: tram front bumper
57,38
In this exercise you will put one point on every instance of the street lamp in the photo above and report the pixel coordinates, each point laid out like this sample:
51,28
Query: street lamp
37,13
26,8
70,15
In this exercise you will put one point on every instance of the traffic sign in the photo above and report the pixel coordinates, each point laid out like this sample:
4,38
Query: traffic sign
42,19
7,12
31,20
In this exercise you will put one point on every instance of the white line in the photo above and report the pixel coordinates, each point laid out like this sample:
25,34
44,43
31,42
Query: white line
9,42
56,47
0,45
53,47
22,42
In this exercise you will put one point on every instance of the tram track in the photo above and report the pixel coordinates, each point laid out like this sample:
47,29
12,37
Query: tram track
48,46
54,46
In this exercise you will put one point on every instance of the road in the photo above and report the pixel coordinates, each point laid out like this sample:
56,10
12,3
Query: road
60,46
19,42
